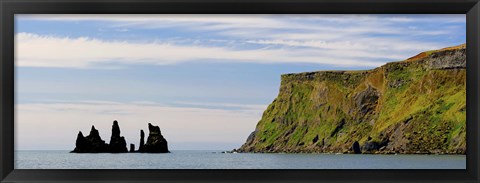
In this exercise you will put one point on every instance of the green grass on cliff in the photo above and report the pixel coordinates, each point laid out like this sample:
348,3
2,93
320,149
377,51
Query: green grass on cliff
421,109
434,102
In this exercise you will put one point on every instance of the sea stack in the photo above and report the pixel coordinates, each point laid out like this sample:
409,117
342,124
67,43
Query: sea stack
117,142
141,148
132,147
93,143
155,141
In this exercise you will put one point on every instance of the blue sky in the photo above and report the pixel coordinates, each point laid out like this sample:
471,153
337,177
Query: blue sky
204,79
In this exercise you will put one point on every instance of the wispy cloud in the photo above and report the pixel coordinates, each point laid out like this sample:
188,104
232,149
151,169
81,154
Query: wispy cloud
355,23
243,107
33,50
347,40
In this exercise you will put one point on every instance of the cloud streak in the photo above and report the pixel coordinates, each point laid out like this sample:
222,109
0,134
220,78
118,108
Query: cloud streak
34,50
355,23
344,40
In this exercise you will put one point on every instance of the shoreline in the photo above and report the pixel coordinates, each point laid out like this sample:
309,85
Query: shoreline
351,152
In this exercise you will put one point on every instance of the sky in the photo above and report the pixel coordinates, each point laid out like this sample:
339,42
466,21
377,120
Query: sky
204,79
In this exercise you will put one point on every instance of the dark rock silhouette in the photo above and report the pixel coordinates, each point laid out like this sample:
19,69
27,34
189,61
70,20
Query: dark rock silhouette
141,148
81,143
155,141
372,146
117,142
91,144
132,147
356,148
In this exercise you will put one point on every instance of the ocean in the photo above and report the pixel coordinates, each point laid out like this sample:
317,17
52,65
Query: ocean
193,159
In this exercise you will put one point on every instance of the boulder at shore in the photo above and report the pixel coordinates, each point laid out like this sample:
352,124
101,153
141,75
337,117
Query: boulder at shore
356,148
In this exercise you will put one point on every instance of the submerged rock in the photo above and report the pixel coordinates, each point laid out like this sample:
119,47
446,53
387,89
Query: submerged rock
155,141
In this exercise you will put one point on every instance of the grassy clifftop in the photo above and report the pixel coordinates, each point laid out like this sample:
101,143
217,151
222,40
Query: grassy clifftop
412,106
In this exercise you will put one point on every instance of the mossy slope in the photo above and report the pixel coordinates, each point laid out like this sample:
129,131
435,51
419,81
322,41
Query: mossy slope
413,106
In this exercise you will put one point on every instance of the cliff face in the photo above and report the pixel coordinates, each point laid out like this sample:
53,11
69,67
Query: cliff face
413,106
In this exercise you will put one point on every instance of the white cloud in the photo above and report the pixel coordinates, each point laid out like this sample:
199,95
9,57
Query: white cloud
56,125
347,40
355,23
244,107
366,48
33,50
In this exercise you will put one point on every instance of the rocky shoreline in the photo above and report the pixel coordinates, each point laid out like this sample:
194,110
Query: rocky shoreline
352,151
234,151
93,143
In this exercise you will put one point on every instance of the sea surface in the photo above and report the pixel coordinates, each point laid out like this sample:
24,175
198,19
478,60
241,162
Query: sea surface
190,159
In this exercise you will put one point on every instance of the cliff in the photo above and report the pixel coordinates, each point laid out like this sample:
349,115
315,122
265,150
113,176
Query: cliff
413,106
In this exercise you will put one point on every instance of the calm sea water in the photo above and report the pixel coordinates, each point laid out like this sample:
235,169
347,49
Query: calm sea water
217,160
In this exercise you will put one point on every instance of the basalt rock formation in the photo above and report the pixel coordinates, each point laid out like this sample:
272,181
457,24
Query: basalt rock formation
117,142
141,148
413,106
90,144
155,141
132,147
93,143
